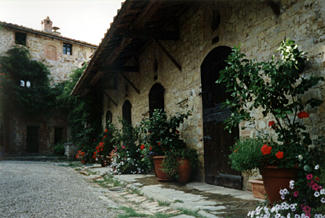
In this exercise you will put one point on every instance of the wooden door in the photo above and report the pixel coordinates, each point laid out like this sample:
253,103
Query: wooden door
217,141
32,139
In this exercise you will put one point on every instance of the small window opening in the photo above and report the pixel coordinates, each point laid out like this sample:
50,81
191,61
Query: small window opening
28,84
20,38
67,49
22,83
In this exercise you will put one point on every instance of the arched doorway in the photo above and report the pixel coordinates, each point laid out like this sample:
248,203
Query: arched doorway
108,117
217,141
126,112
156,98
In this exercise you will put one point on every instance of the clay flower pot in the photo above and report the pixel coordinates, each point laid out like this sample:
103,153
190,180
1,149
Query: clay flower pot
184,171
160,174
275,179
258,189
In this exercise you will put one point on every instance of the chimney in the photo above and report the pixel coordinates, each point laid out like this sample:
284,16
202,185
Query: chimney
47,25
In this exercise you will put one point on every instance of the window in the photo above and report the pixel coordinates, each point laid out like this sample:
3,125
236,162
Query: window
67,48
126,112
20,38
156,98
24,83
108,117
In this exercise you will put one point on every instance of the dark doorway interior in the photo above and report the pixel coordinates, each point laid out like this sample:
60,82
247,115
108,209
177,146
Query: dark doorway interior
156,98
126,112
58,135
32,139
217,141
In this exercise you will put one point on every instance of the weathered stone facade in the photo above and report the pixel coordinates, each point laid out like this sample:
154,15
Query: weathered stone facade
254,26
46,47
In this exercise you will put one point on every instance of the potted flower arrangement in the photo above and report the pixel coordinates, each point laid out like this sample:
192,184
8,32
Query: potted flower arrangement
161,140
275,89
106,145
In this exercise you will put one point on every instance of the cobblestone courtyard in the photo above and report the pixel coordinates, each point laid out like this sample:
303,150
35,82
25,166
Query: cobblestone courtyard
48,189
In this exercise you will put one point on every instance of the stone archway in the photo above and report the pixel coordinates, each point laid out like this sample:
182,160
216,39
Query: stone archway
217,141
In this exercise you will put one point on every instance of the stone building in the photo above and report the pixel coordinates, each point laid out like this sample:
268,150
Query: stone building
18,134
166,54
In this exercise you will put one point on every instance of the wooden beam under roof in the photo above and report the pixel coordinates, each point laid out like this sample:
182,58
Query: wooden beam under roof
111,58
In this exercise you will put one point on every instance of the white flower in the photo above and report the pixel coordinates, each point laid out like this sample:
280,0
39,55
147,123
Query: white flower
322,191
316,194
297,216
282,197
317,167
322,200
277,215
300,157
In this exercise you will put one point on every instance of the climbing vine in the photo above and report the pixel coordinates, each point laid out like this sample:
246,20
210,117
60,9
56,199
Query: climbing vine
25,83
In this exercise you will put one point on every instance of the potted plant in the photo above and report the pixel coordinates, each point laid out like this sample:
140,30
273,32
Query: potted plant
161,140
274,89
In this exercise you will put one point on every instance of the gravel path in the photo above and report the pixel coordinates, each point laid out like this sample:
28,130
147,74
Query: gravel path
41,189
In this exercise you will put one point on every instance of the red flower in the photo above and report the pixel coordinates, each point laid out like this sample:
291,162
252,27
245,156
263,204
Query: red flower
104,136
158,143
266,149
271,123
303,114
106,130
123,146
279,154
142,147
150,148
101,144
94,155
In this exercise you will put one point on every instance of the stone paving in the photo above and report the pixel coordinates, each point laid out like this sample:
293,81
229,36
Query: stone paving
146,196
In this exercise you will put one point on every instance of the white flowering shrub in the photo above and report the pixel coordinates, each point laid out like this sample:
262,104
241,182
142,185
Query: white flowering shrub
303,199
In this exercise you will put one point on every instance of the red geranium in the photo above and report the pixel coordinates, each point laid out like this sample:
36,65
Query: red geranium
271,123
279,154
142,147
303,114
150,148
106,130
158,143
266,149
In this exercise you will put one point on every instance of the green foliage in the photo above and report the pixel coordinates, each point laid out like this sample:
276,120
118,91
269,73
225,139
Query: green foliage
59,149
246,154
275,88
160,133
83,117
128,157
17,65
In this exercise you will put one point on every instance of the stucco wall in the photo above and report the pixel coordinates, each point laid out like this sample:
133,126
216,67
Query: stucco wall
253,26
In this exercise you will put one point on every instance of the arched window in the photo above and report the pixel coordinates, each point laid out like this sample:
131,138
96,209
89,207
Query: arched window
108,117
126,112
156,98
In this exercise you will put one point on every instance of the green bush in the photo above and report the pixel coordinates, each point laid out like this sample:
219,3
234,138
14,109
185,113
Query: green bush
246,154
58,149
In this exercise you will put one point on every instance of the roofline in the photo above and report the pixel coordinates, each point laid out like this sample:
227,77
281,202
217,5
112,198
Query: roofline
45,34
107,36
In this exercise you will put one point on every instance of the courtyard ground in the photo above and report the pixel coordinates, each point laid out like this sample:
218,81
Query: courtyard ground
49,189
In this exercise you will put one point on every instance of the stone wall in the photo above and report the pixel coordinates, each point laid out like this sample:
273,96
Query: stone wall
13,134
50,52
251,24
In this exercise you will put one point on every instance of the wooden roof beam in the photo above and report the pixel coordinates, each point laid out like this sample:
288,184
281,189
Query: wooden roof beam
111,58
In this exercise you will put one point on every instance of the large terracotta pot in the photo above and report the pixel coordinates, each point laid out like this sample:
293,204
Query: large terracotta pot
184,171
160,174
275,179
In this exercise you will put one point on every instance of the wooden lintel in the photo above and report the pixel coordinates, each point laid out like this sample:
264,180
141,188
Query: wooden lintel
169,55
110,98
131,83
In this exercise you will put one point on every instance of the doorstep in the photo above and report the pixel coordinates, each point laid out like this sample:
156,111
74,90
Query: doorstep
209,200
